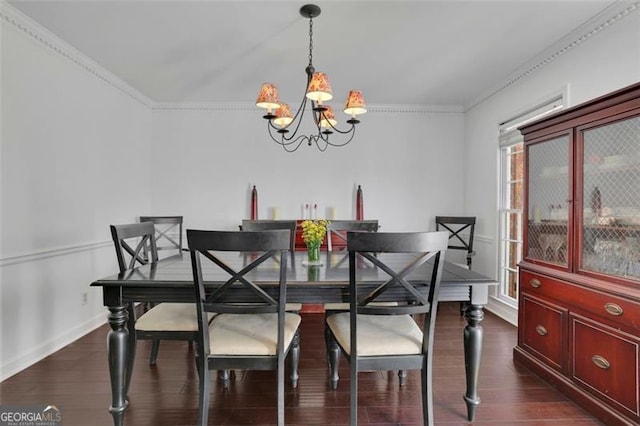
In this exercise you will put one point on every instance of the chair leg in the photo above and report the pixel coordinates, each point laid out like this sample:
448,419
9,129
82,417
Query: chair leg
295,359
203,398
353,407
224,378
153,357
427,392
402,377
281,368
197,361
463,308
333,353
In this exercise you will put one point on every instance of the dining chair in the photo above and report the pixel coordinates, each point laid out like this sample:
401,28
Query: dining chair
165,321
338,229
168,231
268,224
461,230
378,337
249,336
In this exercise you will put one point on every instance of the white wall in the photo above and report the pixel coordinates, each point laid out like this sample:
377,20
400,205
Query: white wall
607,61
408,164
70,141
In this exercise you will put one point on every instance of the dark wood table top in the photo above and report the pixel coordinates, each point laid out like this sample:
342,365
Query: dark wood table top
311,284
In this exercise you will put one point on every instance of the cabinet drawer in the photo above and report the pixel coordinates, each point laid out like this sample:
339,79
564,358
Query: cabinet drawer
615,310
605,362
543,330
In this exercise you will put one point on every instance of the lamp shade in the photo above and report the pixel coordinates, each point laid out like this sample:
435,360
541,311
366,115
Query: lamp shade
327,118
283,116
319,89
268,97
355,103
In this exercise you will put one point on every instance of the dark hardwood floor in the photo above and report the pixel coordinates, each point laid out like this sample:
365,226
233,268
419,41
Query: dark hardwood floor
76,380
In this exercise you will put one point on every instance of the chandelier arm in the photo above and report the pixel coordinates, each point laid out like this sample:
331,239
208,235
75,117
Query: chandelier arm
297,142
300,112
287,145
352,131
316,139
344,132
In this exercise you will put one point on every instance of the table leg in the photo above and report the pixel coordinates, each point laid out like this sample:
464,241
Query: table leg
117,342
472,355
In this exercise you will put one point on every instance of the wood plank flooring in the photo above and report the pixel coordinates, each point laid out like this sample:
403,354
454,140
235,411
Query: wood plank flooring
76,380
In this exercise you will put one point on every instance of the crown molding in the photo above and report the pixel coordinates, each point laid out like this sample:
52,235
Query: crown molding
251,107
13,18
611,15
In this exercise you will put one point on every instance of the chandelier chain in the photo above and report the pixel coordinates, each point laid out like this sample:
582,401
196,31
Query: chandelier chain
310,41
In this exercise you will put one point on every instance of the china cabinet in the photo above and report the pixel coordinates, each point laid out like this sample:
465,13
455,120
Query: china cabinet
579,296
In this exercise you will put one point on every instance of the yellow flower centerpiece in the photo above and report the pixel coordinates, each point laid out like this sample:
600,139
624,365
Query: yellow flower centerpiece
313,233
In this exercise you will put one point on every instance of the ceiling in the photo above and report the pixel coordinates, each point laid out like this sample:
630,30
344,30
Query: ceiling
397,52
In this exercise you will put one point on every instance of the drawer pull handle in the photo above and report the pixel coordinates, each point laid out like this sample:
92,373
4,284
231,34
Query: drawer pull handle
600,362
613,309
541,330
535,283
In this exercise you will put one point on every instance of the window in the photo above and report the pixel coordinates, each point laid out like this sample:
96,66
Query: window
511,198
510,220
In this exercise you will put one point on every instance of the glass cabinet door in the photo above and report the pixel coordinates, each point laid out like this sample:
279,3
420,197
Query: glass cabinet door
548,178
611,199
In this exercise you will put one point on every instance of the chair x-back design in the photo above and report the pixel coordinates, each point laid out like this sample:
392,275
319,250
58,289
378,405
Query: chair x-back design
252,330
168,233
268,225
382,337
165,321
339,228
461,230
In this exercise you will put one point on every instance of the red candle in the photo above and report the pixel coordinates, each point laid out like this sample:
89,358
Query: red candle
254,203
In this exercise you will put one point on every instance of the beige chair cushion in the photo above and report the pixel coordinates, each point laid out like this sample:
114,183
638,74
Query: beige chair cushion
345,306
170,317
293,307
249,334
378,334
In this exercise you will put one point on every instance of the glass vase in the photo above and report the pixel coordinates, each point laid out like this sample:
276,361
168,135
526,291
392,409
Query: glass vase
313,254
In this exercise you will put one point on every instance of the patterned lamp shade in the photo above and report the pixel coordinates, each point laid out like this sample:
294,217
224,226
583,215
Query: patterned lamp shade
283,116
355,104
327,118
319,89
268,97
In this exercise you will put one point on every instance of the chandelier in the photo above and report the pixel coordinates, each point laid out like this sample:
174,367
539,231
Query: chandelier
318,91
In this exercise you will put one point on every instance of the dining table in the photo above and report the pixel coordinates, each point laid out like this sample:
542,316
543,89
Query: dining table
171,280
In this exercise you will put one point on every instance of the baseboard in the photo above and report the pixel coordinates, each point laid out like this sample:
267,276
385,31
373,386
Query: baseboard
47,348
503,310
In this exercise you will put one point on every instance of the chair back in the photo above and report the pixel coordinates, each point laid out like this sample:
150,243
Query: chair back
339,228
134,240
258,247
168,234
461,230
414,283
268,225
